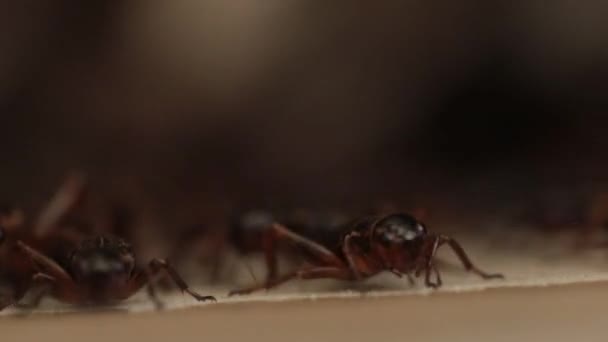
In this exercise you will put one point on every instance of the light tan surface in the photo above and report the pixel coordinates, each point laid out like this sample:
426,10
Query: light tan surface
559,313
532,261
551,292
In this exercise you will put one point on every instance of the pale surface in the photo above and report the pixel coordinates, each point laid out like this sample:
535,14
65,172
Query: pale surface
563,313
551,292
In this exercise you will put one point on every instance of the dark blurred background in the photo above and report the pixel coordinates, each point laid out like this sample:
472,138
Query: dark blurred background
469,107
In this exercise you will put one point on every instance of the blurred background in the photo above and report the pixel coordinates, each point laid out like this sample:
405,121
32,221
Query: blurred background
480,108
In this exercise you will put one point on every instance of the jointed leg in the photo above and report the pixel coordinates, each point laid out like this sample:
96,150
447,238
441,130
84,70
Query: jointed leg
427,277
270,283
151,290
47,265
350,257
306,273
45,283
147,277
325,256
467,263
64,287
157,265
333,267
410,279
425,262
67,198
269,245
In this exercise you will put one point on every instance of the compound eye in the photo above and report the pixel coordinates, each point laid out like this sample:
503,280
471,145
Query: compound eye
410,235
386,236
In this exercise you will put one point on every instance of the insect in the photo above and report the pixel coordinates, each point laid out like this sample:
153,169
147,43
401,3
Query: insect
397,243
102,269
250,232
15,274
71,265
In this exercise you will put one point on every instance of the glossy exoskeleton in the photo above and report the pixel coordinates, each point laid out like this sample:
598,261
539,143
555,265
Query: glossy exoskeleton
100,270
15,273
397,243
72,265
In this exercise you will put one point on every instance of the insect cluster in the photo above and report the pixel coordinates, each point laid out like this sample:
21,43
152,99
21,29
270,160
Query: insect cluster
67,255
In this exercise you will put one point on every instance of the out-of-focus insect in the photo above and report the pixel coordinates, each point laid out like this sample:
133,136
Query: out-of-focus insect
71,265
100,270
250,232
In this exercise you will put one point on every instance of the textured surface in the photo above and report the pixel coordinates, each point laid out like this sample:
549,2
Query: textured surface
561,313
526,261
550,291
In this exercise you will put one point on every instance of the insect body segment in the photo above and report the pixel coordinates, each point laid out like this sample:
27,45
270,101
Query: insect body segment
74,267
397,243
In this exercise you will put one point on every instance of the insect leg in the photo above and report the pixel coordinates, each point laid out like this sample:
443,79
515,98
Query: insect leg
305,273
156,265
326,256
466,261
